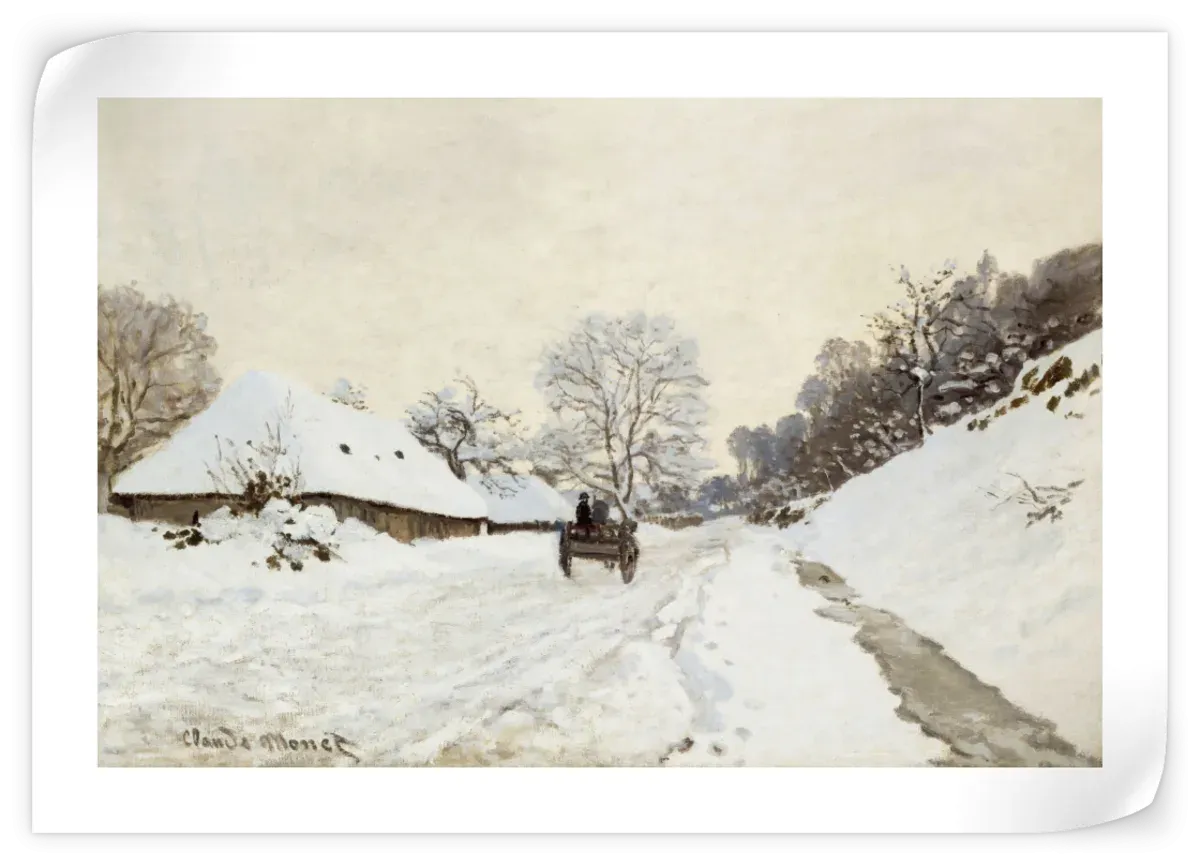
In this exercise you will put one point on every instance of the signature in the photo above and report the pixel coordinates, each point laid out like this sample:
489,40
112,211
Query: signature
223,738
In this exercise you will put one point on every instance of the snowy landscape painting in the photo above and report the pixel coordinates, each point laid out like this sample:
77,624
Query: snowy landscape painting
594,433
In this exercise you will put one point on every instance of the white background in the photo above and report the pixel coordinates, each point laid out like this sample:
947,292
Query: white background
79,796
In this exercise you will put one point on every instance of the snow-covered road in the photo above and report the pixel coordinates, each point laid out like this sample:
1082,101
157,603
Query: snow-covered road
479,652
726,650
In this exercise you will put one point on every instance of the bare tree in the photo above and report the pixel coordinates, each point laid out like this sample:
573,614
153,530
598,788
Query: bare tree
346,393
942,336
627,399
467,431
258,471
153,375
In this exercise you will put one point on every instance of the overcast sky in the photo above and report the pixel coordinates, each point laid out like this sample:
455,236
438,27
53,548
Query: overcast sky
397,242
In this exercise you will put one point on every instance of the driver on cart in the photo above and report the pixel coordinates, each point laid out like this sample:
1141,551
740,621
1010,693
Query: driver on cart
583,514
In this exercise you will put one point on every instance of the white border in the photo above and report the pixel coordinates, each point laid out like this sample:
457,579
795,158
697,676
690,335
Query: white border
1128,71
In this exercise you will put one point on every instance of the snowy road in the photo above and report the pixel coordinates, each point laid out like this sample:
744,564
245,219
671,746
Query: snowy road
720,662
949,702
479,652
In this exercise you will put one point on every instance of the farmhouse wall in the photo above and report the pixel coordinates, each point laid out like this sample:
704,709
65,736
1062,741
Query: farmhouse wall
403,525
495,528
166,509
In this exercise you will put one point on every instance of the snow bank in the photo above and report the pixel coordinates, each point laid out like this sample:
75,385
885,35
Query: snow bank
940,537
340,451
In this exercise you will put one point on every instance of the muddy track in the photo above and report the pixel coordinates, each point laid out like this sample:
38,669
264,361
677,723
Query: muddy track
948,702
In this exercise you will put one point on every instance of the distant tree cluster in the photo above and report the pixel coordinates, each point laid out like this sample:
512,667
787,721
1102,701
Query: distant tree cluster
951,345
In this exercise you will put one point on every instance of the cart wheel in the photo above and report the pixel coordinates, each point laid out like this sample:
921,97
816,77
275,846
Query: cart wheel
564,556
629,557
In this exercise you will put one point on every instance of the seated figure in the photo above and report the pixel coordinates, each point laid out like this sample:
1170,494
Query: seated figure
583,514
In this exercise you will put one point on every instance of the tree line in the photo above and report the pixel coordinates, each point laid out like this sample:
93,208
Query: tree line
951,344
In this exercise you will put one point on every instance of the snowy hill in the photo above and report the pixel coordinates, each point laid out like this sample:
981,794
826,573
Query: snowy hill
340,451
988,540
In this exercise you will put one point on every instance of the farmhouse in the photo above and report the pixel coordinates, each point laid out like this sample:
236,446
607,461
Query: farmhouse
524,503
362,465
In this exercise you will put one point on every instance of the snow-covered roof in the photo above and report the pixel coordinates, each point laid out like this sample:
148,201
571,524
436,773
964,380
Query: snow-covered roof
524,499
341,451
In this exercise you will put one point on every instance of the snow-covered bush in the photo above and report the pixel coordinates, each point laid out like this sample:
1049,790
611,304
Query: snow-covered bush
347,393
788,514
1043,500
675,521
293,532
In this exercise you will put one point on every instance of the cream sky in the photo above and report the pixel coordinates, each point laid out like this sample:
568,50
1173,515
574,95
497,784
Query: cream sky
397,242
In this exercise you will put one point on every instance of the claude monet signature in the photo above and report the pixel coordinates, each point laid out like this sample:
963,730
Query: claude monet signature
227,739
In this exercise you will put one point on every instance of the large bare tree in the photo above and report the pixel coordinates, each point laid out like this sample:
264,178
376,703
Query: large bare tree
463,428
628,407
153,375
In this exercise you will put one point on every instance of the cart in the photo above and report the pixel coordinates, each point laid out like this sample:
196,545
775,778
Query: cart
614,545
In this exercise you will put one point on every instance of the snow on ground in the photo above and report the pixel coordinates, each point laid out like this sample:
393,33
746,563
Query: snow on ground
478,651
778,686
392,646
1018,605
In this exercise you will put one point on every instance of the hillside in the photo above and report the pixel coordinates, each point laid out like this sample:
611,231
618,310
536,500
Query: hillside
987,540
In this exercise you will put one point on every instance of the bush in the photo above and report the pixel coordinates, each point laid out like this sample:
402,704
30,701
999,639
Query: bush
293,532
259,472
